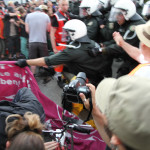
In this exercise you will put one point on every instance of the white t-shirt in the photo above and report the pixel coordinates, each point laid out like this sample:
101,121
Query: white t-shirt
142,60
143,71
37,22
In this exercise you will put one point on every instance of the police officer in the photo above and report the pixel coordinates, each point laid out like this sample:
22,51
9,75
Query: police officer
124,12
58,20
106,27
89,9
76,56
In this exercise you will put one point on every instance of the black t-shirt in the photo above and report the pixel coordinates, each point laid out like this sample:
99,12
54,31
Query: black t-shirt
54,22
23,33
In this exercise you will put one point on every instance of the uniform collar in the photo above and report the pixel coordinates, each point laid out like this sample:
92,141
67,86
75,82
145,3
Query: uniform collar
84,39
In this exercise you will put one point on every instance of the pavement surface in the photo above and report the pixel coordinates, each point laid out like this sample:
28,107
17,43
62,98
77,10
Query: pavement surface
51,90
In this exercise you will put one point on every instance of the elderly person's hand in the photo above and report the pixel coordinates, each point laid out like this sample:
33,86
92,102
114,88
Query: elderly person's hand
86,101
118,38
51,145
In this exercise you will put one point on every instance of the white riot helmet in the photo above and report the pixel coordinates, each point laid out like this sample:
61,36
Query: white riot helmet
74,29
88,7
122,7
146,11
113,2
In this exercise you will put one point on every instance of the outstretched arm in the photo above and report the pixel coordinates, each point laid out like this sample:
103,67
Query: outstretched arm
31,62
36,62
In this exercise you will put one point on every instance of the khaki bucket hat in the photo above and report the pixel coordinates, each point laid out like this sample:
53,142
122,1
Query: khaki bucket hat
143,33
126,105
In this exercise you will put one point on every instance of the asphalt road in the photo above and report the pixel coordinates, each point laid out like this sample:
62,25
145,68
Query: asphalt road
51,90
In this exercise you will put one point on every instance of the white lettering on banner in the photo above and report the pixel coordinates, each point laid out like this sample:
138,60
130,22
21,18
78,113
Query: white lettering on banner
10,66
23,79
20,76
2,66
28,83
17,75
9,82
4,74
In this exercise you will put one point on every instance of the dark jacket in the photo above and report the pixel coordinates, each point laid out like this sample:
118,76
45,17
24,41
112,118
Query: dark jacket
23,32
7,25
79,60
92,24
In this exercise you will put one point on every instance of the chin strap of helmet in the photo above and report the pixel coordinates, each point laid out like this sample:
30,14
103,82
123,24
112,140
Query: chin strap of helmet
70,46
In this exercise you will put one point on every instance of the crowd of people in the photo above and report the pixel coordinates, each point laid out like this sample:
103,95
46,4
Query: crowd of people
86,36
24,35
35,29
13,35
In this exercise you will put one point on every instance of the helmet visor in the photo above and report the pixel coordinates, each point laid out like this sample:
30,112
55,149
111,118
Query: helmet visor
115,15
67,35
84,11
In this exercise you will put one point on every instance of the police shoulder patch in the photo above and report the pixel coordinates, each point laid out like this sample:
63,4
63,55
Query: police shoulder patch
90,23
111,25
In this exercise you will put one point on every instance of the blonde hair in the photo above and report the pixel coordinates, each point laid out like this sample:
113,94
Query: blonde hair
27,129
10,2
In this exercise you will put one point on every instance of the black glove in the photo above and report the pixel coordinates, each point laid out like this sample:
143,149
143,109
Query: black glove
94,51
21,63
101,22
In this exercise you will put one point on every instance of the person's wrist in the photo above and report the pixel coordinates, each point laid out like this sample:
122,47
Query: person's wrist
95,109
121,43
